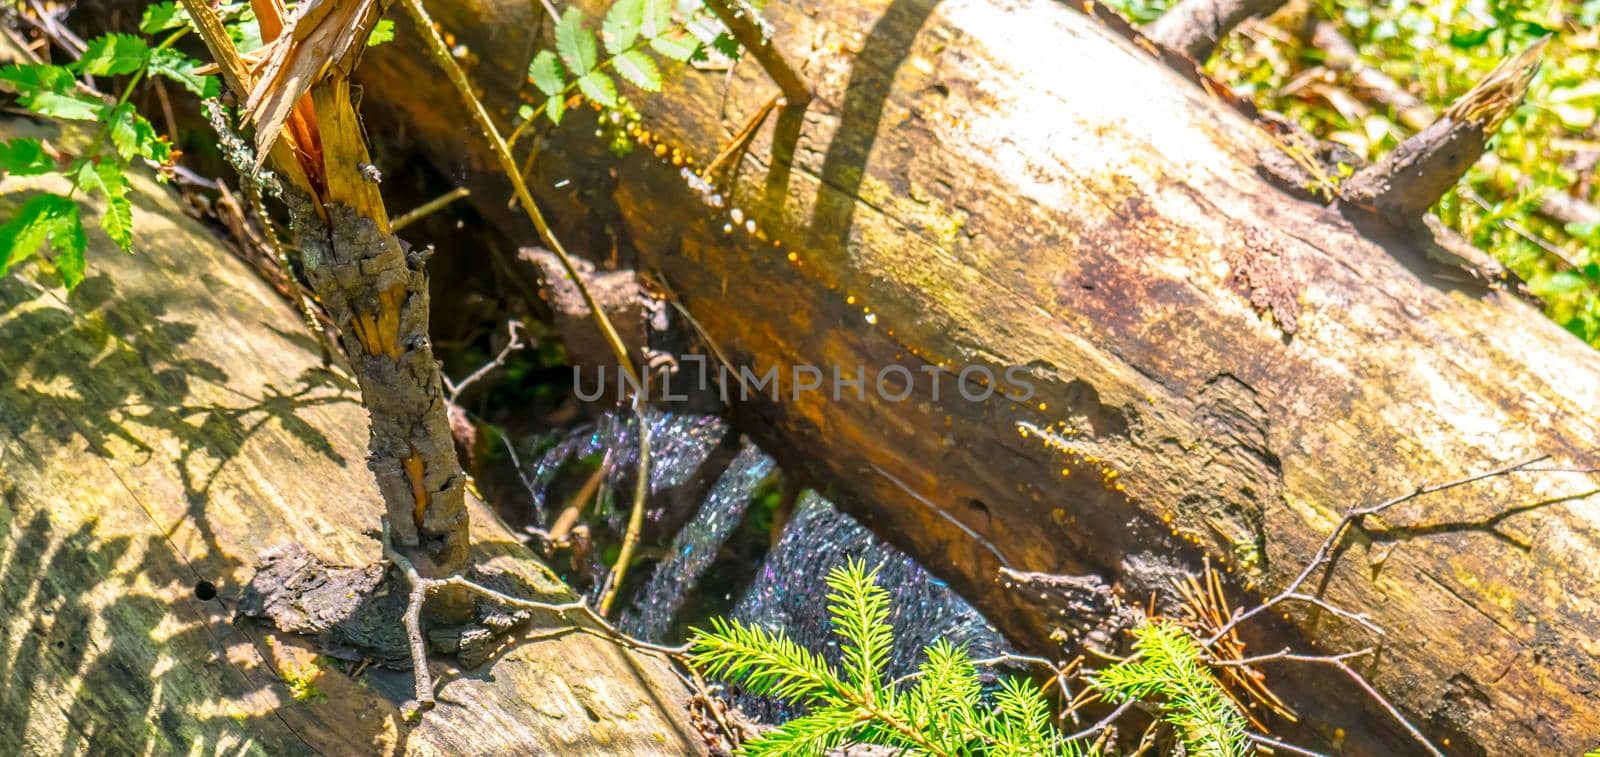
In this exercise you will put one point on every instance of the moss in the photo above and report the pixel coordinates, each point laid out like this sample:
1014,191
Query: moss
302,682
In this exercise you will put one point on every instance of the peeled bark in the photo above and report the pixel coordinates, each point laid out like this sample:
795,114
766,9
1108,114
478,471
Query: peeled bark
1220,370
160,428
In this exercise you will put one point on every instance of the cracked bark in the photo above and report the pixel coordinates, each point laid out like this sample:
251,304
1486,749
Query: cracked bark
992,212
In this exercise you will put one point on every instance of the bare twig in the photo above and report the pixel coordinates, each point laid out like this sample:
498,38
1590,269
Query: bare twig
1323,557
1104,722
1355,514
421,586
1195,27
514,331
1290,655
1281,746
431,206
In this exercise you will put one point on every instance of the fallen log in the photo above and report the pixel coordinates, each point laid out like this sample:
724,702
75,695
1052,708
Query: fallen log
162,427
1219,370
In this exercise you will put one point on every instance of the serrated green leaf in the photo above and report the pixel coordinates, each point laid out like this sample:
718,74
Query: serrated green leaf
546,73
106,177
112,54
134,137
25,157
555,108
678,47
70,106
725,43
575,42
43,218
32,78
639,69
163,16
655,18
598,87
382,32
184,70
621,26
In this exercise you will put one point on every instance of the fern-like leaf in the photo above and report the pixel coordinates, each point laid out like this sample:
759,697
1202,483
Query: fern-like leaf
768,663
860,611
112,54
45,218
811,735
1168,666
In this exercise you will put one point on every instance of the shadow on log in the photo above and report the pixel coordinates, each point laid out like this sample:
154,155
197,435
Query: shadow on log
1218,370
160,428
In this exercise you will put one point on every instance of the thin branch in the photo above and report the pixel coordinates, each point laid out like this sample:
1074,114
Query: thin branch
1281,746
630,538
1288,654
514,330
1355,514
431,206
442,57
421,586
1104,722
741,22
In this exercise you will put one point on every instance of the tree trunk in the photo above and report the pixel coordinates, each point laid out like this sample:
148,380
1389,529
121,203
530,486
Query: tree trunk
160,428
1219,370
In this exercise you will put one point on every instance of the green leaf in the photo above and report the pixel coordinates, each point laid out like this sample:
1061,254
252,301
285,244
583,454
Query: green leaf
134,137
575,42
382,32
51,218
725,43
25,157
678,47
546,73
598,87
621,26
639,70
106,177
555,108
163,16
184,70
113,54
32,78
655,18
71,107
1465,40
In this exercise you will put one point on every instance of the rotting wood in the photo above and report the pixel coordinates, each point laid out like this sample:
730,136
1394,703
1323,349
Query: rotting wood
992,212
372,286
161,428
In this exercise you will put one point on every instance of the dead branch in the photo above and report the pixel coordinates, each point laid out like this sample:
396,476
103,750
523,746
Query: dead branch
1414,175
1194,28
741,22
1340,55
